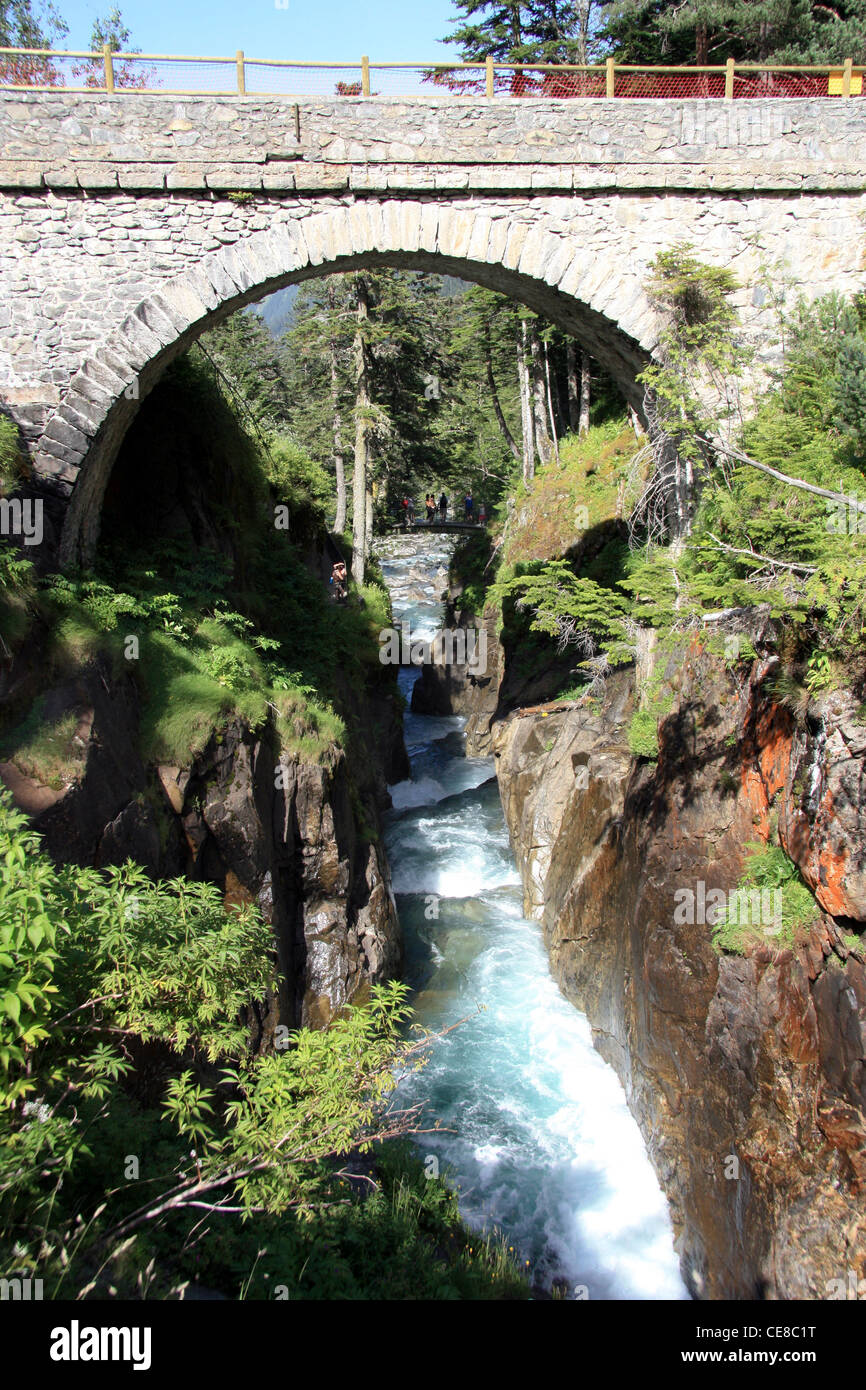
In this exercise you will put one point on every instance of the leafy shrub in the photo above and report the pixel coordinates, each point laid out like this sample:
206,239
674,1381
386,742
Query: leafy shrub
17,594
93,966
28,954
13,460
297,480
643,735
767,870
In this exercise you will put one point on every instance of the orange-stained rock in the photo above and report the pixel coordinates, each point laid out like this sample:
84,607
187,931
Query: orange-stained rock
751,1063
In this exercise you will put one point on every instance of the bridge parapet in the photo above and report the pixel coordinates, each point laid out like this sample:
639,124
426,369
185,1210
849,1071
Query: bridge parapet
140,143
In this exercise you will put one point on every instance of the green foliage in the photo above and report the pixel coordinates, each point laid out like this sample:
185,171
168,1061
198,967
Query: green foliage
251,372
202,662
394,1234
13,461
643,734
112,31
819,673
177,965
28,955
405,337
523,33
695,297
710,31
566,606
16,572
93,966
29,24
45,748
17,590
795,430
850,386
697,343
298,481
650,576
470,568
768,870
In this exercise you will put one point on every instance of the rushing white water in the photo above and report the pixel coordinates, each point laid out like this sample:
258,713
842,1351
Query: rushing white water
541,1143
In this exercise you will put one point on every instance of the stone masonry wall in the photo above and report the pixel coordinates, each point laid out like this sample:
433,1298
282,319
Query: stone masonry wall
67,140
129,224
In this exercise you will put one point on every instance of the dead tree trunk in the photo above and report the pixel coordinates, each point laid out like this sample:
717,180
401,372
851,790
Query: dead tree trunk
539,398
362,409
339,467
585,389
573,387
526,416
550,409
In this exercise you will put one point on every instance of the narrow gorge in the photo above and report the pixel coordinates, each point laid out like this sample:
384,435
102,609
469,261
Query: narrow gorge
745,1073
537,1137
340,963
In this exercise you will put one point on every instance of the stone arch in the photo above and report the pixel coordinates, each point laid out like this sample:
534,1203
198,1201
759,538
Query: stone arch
595,296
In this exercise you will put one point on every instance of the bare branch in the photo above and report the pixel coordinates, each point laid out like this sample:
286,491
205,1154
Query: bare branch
785,478
796,566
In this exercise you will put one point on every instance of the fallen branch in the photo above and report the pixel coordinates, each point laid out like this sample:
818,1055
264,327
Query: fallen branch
764,559
784,477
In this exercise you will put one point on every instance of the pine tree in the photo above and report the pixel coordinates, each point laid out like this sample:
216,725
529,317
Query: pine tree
547,31
711,31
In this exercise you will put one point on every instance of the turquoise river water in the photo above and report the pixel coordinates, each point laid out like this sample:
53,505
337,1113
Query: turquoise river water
541,1143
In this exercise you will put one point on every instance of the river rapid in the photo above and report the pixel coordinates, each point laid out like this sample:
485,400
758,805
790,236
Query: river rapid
541,1144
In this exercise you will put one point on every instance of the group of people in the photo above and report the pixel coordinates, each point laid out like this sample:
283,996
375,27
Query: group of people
432,508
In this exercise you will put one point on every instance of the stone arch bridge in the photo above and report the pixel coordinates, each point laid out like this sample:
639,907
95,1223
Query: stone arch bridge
131,223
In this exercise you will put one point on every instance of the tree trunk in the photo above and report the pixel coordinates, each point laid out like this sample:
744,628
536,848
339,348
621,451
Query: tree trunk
573,387
539,397
550,411
362,403
702,46
339,467
585,389
494,396
526,418
560,424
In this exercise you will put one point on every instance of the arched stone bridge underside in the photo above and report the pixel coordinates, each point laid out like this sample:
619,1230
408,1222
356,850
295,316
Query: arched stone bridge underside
120,242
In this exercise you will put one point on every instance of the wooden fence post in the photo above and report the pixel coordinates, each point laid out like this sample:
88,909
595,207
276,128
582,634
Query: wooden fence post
729,80
846,77
108,63
242,81
609,78
365,76
489,74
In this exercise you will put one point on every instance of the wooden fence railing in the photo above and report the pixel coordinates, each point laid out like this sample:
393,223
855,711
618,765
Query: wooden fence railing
33,69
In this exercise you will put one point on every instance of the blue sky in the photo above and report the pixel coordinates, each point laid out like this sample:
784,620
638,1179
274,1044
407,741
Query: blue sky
306,30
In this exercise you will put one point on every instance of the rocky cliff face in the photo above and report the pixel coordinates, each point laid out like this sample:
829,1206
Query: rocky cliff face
747,1074
449,688
299,839
483,694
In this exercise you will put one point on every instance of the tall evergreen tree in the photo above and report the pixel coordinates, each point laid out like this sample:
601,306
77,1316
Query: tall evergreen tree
711,31
544,31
